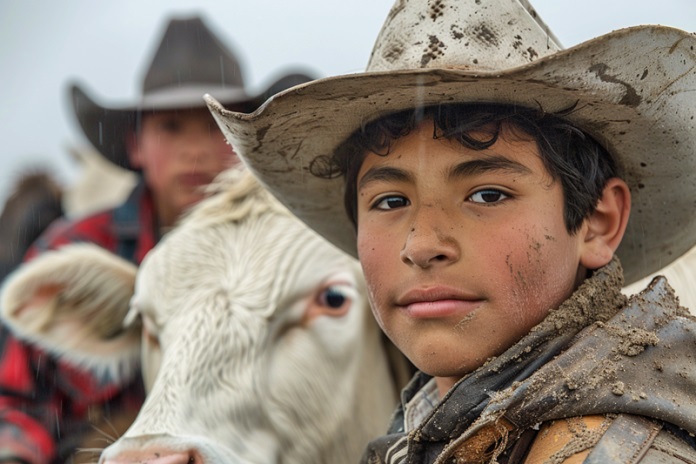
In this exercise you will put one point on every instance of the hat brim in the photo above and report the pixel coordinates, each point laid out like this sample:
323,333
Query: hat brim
634,90
106,126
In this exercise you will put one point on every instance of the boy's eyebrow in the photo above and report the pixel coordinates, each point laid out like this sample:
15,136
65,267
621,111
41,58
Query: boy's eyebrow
488,164
384,173
466,168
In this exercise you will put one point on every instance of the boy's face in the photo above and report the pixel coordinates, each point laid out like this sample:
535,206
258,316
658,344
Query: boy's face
464,251
179,152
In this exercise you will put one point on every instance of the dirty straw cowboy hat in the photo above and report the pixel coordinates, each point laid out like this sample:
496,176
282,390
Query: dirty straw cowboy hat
189,62
634,90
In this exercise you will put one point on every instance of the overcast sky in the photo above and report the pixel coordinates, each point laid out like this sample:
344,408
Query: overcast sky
105,44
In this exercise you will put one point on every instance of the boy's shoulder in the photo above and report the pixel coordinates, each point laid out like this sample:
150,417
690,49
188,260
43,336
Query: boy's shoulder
95,228
622,438
128,221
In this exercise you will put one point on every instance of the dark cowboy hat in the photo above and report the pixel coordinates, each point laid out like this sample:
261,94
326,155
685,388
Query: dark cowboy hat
633,90
189,62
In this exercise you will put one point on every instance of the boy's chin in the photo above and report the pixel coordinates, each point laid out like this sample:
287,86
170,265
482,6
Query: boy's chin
447,368
191,200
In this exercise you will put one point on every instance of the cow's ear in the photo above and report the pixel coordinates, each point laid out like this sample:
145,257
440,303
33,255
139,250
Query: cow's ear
30,313
73,302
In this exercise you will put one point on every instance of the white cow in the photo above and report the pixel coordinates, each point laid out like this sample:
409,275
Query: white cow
258,344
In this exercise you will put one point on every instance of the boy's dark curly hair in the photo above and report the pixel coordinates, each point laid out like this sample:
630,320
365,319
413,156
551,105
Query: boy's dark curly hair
570,156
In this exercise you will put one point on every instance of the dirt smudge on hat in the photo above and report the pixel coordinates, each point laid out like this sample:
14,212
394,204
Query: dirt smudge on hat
486,34
436,9
630,98
433,50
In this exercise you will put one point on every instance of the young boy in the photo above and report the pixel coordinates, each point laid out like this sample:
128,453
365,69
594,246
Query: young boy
484,178
48,405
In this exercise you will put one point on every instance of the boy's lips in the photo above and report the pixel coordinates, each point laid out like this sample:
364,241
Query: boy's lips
437,302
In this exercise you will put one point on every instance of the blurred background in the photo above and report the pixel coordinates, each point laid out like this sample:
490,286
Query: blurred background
106,44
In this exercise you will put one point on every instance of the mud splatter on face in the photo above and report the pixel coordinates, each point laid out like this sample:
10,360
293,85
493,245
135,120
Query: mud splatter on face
591,295
462,323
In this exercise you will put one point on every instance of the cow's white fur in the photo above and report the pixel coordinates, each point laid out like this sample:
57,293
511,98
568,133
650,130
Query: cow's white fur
243,375
681,275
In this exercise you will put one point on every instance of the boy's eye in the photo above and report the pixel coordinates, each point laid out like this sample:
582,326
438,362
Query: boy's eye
488,196
170,125
391,202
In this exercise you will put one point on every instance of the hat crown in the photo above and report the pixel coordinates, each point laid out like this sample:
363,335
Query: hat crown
486,35
188,62
190,55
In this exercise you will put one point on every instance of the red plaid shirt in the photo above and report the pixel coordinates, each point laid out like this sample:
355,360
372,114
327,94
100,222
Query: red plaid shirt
48,406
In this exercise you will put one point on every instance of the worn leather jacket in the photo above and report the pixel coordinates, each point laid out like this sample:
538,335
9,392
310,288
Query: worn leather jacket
629,361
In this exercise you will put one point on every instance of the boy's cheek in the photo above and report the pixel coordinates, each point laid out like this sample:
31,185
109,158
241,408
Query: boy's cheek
532,273
376,310
374,288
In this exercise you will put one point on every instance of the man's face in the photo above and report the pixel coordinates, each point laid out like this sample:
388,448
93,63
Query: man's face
180,152
464,251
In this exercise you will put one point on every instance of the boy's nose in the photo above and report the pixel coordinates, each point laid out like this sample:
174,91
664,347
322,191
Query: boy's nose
196,148
426,246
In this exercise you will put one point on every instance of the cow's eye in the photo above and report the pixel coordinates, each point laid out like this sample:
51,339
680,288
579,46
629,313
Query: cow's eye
333,297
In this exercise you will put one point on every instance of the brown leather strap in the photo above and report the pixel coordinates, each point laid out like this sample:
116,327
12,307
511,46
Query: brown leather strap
567,441
578,440
626,441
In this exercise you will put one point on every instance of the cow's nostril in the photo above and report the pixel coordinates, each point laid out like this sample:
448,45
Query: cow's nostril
157,457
